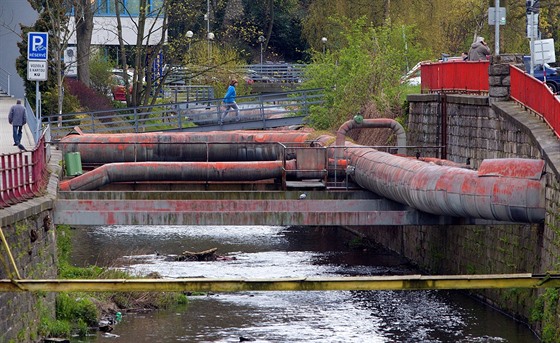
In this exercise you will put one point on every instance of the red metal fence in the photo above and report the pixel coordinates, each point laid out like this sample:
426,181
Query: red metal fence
455,76
535,95
23,175
472,77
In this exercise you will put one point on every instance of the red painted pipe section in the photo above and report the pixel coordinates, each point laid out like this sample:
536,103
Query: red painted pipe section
504,190
180,146
359,123
175,171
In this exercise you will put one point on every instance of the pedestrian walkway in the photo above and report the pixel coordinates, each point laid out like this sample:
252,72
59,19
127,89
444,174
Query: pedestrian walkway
6,140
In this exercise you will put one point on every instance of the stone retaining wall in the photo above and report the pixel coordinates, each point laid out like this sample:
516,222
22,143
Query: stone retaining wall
30,234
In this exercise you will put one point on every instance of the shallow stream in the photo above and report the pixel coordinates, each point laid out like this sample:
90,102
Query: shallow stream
273,252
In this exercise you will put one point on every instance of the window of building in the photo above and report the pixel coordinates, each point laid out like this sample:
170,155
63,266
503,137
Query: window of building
107,7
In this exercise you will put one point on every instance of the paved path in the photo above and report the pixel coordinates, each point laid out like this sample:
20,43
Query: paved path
6,140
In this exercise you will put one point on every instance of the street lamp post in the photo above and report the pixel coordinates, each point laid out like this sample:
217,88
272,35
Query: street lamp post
189,36
261,40
210,39
324,40
207,18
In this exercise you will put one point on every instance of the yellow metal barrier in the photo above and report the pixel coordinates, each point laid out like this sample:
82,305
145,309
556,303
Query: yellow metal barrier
402,282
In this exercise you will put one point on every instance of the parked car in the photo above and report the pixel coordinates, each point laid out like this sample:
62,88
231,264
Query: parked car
541,71
118,87
255,77
412,78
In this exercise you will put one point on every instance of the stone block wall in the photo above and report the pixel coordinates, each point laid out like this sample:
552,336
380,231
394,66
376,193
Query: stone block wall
32,245
473,130
30,236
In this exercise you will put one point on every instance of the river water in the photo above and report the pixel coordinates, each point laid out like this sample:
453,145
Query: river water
274,252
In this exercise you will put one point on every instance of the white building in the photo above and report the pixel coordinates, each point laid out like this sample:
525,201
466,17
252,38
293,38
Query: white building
14,12
105,26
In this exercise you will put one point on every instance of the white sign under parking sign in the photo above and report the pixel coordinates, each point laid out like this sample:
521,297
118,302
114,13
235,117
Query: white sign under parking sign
37,70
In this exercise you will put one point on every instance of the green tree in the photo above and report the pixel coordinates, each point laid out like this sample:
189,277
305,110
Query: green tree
100,72
364,71
146,86
224,65
54,19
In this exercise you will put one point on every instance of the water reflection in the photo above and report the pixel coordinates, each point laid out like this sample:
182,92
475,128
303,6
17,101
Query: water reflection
271,252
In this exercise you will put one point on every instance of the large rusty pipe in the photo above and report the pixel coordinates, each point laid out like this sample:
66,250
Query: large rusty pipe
513,190
180,146
176,171
359,123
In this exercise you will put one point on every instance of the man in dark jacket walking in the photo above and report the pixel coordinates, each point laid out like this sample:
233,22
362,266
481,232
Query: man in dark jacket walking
17,118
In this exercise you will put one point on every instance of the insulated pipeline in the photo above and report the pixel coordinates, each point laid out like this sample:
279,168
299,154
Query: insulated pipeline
180,146
515,194
359,123
176,171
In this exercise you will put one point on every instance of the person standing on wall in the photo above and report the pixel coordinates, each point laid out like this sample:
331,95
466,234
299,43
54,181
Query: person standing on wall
17,117
479,50
229,101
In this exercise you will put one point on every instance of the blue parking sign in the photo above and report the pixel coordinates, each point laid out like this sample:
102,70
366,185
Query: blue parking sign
37,46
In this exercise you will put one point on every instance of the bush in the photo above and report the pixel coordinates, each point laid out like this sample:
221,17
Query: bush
74,309
89,98
100,72
49,103
54,328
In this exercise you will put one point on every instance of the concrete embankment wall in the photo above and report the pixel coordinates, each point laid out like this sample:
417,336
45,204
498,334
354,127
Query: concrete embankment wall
30,234
474,128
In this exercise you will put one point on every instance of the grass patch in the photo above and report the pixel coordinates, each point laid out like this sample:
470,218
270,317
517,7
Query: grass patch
78,312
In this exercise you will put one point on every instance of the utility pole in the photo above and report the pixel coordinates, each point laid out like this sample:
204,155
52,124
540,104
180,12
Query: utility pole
497,27
532,28
207,17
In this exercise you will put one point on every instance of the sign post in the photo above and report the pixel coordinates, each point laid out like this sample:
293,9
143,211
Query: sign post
532,7
37,68
497,17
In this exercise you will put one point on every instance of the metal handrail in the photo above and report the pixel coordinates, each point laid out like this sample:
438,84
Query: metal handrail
472,77
455,76
32,122
257,73
274,72
535,95
5,81
178,116
23,175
